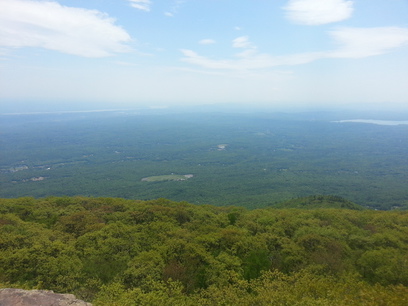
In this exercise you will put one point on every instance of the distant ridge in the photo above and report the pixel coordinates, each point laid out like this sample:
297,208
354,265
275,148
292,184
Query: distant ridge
319,201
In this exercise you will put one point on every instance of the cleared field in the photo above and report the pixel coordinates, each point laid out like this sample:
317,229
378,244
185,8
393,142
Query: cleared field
171,177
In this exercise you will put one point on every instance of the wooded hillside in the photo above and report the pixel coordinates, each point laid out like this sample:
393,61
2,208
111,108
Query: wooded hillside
112,251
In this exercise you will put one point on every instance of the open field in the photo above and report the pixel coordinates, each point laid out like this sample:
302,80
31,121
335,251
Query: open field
171,177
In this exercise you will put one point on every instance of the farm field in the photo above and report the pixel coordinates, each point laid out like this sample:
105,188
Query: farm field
171,177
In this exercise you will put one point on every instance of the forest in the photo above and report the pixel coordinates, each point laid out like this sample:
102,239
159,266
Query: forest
115,251
211,208
252,160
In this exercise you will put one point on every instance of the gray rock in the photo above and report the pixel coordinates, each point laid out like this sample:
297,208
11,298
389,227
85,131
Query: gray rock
19,297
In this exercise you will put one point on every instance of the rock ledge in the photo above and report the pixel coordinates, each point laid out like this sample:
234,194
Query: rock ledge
19,297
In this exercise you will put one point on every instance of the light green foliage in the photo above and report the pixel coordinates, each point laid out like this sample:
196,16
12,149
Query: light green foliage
159,252
385,266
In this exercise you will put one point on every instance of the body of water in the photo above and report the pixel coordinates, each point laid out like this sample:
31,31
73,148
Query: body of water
379,122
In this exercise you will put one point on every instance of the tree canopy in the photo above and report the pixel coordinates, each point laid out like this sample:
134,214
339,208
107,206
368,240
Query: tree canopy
112,251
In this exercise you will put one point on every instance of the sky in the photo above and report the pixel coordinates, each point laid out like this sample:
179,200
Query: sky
296,54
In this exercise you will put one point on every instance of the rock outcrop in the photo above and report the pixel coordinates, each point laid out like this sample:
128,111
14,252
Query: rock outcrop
19,297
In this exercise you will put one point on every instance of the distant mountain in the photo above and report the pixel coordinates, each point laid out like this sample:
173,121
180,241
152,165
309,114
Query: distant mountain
319,201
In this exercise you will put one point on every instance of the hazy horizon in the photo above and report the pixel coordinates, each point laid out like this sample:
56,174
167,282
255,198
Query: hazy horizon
346,114
290,55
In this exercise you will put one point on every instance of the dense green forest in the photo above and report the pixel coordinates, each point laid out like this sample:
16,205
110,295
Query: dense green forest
252,160
113,251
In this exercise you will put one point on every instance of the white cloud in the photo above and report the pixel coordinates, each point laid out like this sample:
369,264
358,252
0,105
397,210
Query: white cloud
364,42
242,42
207,41
351,42
143,5
248,60
317,12
49,25
176,5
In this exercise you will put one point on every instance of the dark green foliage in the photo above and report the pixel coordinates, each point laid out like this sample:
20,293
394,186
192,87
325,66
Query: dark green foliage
319,201
256,262
126,252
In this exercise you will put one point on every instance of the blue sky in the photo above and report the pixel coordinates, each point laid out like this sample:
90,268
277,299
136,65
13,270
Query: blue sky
295,54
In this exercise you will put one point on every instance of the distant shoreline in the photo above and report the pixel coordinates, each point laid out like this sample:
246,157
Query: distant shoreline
370,121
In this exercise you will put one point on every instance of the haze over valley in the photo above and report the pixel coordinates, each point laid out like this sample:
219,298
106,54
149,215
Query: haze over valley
221,158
